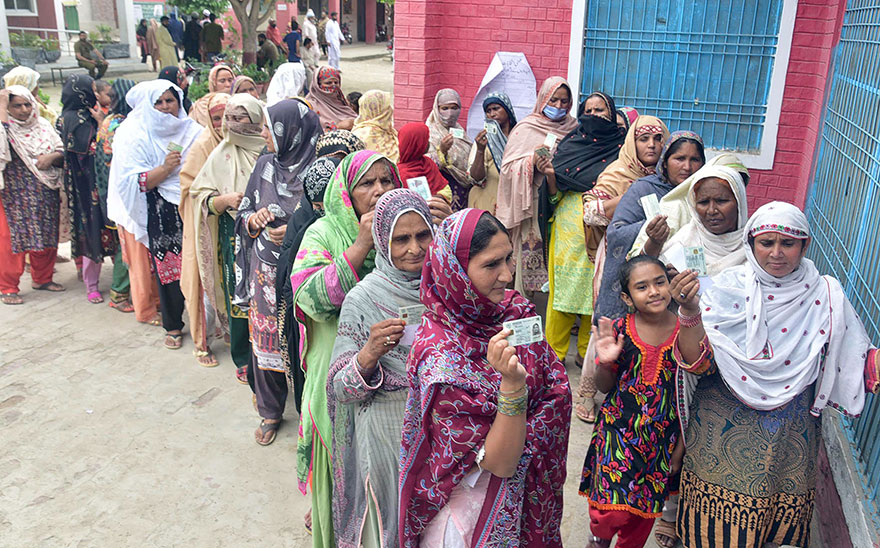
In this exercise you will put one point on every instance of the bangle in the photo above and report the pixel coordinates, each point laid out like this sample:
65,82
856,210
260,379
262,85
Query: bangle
609,366
690,321
513,406
142,181
513,392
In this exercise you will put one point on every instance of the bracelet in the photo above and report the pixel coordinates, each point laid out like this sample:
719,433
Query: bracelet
613,366
513,406
513,392
690,321
142,181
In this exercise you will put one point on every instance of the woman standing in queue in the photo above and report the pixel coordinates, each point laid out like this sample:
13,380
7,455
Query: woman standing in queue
190,279
145,188
774,343
217,193
367,385
31,154
521,180
90,237
487,153
336,252
450,144
485,432
274,190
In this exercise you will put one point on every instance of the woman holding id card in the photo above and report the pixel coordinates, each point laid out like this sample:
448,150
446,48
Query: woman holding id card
485,433
450,144
367,383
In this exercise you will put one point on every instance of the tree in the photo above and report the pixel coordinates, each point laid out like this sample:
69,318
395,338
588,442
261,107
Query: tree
188,7
251,14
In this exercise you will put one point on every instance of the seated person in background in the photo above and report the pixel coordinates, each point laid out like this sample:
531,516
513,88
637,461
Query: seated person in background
88,57
268,52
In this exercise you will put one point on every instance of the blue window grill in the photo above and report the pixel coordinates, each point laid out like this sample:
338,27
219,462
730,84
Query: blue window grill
703,66
845,199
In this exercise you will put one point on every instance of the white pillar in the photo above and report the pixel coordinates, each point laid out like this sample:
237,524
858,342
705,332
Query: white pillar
4,31
126,22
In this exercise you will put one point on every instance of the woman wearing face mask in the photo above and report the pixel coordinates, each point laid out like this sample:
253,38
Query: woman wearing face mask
524,169
31,154
487,153
448,151
273,192
336,252
486,426
367,385
774,343
682,155
144,190
327,100
90,237
580,158
220,80
216,193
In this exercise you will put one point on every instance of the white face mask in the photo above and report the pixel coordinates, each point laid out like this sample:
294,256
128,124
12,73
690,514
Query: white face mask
450,117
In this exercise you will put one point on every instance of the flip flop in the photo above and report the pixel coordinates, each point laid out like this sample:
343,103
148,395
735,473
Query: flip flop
11,298
95,297
122,306
199,354
50,286
173,342
241,374
268,428
581,412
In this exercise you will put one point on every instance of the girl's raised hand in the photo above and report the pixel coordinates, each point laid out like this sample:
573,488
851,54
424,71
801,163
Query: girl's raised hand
608,347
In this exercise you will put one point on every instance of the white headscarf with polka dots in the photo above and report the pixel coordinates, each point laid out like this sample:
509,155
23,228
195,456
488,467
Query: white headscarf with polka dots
774,337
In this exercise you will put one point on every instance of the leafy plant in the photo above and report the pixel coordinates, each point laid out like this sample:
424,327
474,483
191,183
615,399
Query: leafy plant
25,40
50,44
105,34
43,97
197,90
188,7
5,59
257,74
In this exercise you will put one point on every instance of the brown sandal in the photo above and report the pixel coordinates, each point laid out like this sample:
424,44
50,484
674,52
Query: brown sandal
581,411
665,534
173,342
268,428
50,286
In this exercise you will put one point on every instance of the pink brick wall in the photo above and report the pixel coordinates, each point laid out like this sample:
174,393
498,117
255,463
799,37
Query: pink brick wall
450,43
816,32
436,47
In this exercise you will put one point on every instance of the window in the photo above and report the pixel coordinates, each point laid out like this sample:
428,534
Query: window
717,68
20,5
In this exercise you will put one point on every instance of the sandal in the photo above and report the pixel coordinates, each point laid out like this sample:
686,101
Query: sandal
50,286
11,298
581,411
241,374
206,358
173,342
95,297
156,321
267,428
665,534
122,306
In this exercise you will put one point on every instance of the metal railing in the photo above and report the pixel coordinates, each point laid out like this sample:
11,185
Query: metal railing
845,200
66,38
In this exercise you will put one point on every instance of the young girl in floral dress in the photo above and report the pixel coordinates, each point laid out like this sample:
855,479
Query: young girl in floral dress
633,451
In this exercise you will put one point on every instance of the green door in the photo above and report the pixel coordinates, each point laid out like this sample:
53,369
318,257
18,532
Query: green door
71,18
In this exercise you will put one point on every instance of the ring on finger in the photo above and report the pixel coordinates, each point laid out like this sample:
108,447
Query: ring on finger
682,295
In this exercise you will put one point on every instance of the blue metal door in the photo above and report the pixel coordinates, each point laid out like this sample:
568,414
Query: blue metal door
844,202
703,66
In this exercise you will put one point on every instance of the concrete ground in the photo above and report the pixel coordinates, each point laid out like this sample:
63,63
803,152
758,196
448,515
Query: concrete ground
109,439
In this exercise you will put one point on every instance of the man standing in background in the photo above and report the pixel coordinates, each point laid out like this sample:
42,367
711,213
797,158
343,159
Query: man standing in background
212,38
310,30
292,42
273,33
191,38
175,28
167,48
333,35
322,28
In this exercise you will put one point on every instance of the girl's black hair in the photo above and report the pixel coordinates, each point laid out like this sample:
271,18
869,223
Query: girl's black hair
673,148
487,227
630,265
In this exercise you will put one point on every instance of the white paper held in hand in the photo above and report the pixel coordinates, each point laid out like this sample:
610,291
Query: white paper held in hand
457,132
419,185
525,331
550,140
491,129
650,205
